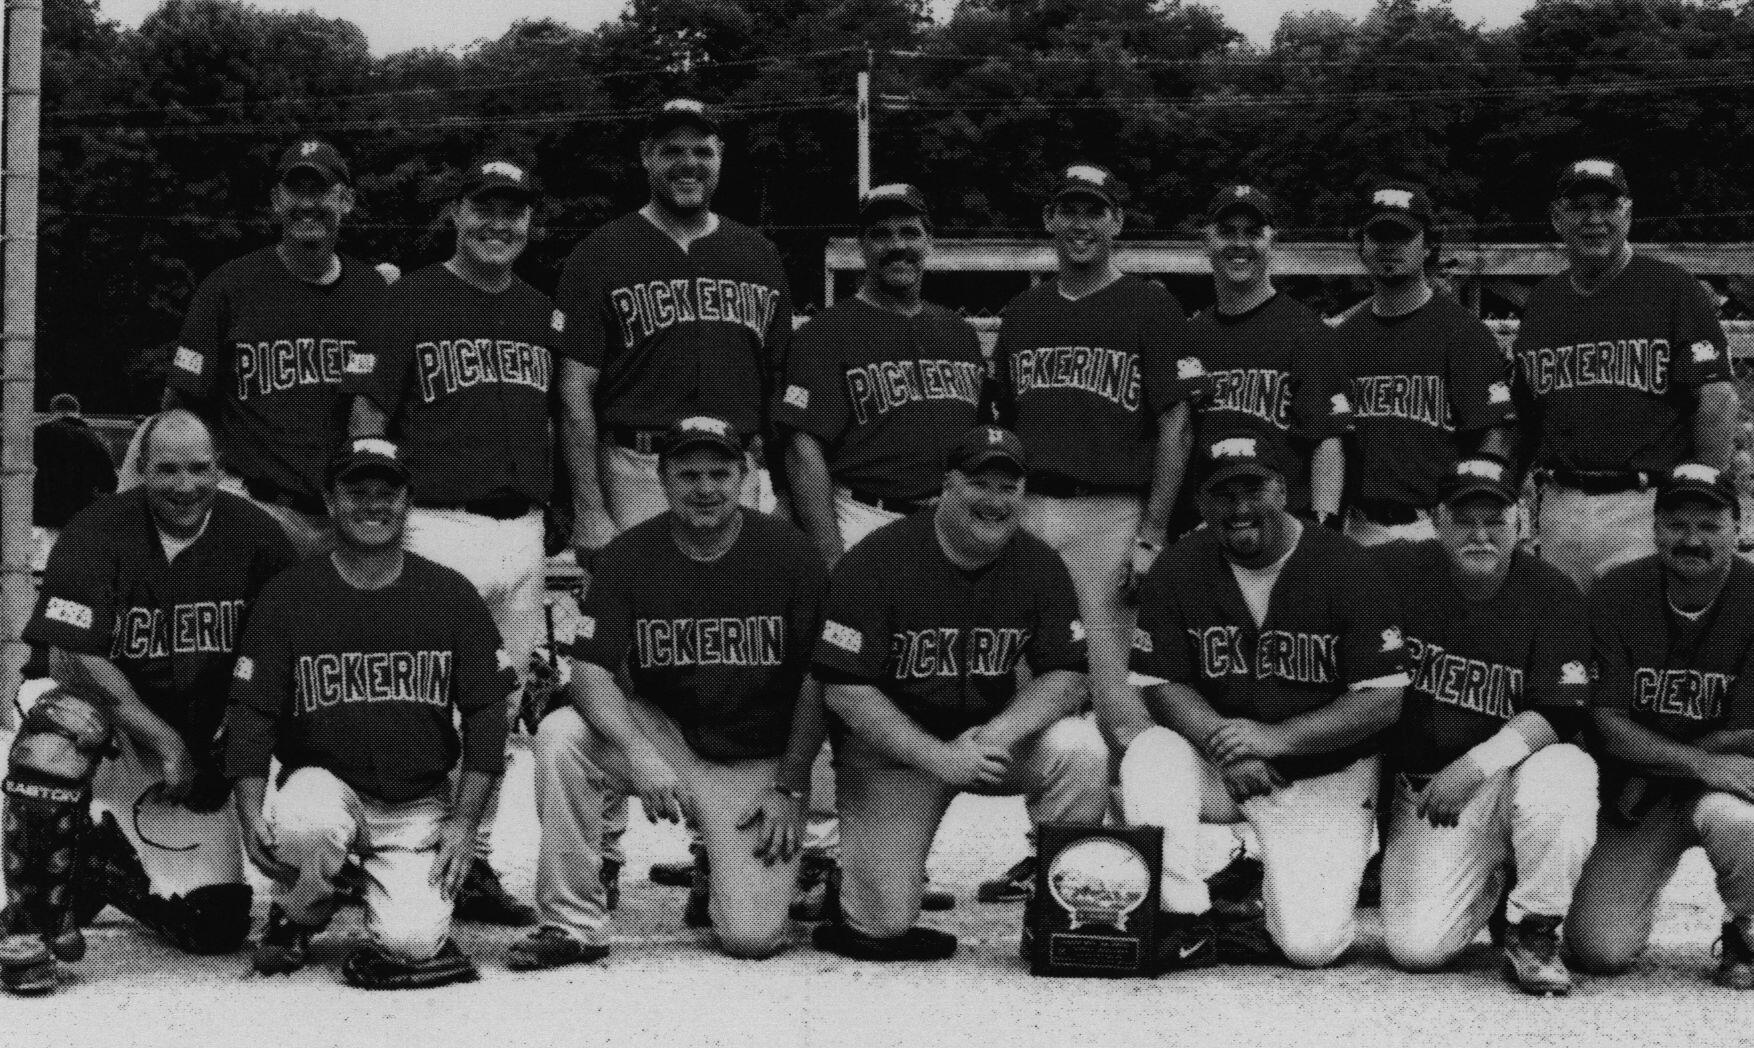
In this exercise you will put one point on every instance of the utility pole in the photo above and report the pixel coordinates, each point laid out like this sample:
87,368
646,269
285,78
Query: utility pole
864,111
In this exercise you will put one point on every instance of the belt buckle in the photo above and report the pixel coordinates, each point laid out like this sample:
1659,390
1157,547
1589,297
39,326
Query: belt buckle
642,442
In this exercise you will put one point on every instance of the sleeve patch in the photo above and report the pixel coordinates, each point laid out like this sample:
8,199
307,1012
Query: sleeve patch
1704,352
587,627
557,321
361,363
843,637
1142,642
1498,393
798,397
1339,405
189,360
1189,368
70,612
1392,640
1078,634
502,659
245,668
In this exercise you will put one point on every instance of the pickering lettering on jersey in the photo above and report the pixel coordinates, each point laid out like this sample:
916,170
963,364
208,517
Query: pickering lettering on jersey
1416,398
1693,694
756,640
181,629
320,681
654,305
1630,363
1301,658
1264,393
287,363
877,389
943,652
1472,684
449,365
1109,373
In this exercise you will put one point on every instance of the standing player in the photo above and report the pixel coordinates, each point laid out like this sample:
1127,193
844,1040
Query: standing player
268,337
710,612
1626,373
1272,660
357,703
140,610
1429,383
925,627
462,374
1499,648
1673,633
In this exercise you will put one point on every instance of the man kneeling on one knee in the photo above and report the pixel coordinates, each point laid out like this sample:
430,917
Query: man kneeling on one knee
1269,656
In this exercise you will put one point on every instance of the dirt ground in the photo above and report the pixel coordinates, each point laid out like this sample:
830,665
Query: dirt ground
663,987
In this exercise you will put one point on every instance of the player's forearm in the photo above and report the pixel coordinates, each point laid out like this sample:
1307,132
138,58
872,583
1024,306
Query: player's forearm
809,726
578,391
247,795
473,789
1183,710
873,717
1714,424
1728,740
1043,701
1647,750
1122,714
1167,468
1349,719
813,494
604,706
366,419
1327,476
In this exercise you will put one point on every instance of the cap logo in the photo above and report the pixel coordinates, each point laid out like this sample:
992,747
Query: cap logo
1573,673
995,435
706,423
1339,405
1698,472
1401,198
1086,173
1595,169
1392,639
1704,352
1242,191
500,167
375,446
1234,447
308,148
684,105
1484,468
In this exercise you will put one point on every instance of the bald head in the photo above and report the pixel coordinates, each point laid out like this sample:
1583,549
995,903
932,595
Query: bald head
178,429
181,471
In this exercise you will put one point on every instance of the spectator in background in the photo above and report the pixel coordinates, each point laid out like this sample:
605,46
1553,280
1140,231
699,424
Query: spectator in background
73,468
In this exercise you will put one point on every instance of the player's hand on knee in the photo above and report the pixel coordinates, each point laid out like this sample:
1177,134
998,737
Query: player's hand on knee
259,847
1730,773
1239,738
179,772
660,791
456,851
970,760
1449,792
1250,777
777,820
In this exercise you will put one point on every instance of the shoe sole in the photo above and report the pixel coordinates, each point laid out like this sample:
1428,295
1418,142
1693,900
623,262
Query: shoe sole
993,894
30,981
1553,990
517,963
938,902
660,874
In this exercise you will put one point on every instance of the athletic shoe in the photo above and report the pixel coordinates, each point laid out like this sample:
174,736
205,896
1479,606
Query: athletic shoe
1246,942
109,873
1014,885
937,900
551,948
370,968
27,968
284,945
698,912
350,883
818,894
1184,942
1370,888
1735,966
484,900
1236,889
1531,957
915,944
611,877
674,874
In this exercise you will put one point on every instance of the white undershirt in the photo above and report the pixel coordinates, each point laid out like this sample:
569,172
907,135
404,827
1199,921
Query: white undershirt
174,546
1257,583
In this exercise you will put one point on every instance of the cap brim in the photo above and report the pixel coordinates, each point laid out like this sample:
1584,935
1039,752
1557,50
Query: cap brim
1682,493
1086,192
1576,186
884,208
1402,219
1238,469
1262,213
506,189
1477,489
394,474
328,174
665,123
987,459
704,440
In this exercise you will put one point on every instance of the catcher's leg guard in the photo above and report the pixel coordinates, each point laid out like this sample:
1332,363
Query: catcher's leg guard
210,919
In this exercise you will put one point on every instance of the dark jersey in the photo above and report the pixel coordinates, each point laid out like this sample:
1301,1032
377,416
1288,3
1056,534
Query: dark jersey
1275,375
943,643
363,683
677,333
1477,664
467,379
270,351
1083,382
73,468
886,394
1332,623
171,627
721,647
1416,381
1612,379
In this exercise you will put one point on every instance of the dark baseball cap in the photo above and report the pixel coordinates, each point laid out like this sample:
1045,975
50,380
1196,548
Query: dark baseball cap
314,154
1233,457
894,198
1592,175
1242,198
1090,180
982,446
499,174
702,429
680,112
366,456
1398,203
1697,480
1477,476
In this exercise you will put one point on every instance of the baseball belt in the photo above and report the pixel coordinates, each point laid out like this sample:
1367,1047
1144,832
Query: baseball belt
1060,486
1596,481
1387,512
503,505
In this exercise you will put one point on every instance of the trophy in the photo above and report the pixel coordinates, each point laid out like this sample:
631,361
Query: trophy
1094,908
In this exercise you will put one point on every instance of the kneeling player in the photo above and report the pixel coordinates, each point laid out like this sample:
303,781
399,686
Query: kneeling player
926,622
710,610
1499,648
357,701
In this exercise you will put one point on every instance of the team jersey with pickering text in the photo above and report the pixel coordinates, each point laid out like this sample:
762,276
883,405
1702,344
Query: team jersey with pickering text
269,350
364,683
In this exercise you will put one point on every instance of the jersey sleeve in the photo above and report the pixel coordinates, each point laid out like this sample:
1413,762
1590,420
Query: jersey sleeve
1610,665
379,369
261,687
1321,406
1002,390
856,618
1557,676
76,605
1701,351
1060,640
804,624
483,679
1169,362
1479,378
605,628
1159,650
776,342
1373,652
200,350
581,304
813,399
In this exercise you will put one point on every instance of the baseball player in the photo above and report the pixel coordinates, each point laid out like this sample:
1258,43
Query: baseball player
1429,384
1624,372
1089,376
268,337
461,374
709,612
1672,634
357,702
1498,643
1272,657
926,624
671,311
141,609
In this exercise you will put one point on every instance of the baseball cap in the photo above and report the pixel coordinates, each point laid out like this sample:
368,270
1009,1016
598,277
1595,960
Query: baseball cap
702,429
1233,457
314,154
1592,175
982,446
363,456
1242,198
1477,476
891,199
1400,203
495,173
1090,180
1697,480
678,112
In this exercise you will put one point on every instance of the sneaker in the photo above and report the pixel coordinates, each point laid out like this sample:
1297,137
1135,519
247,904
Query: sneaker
915,944
1531,957
1370,888
698,912
1236,889
1735,966
350,883
284,945
611,876
551,948
1014,885
1247,942
27,968
818,895
674,874
1184,942
484,900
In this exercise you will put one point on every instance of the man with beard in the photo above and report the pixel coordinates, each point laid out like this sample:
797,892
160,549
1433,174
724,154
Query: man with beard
1428,382
926,625
1271,659
140,611
268,337
709,612
1673,633
461,373
1499,647
357,701
1623,373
